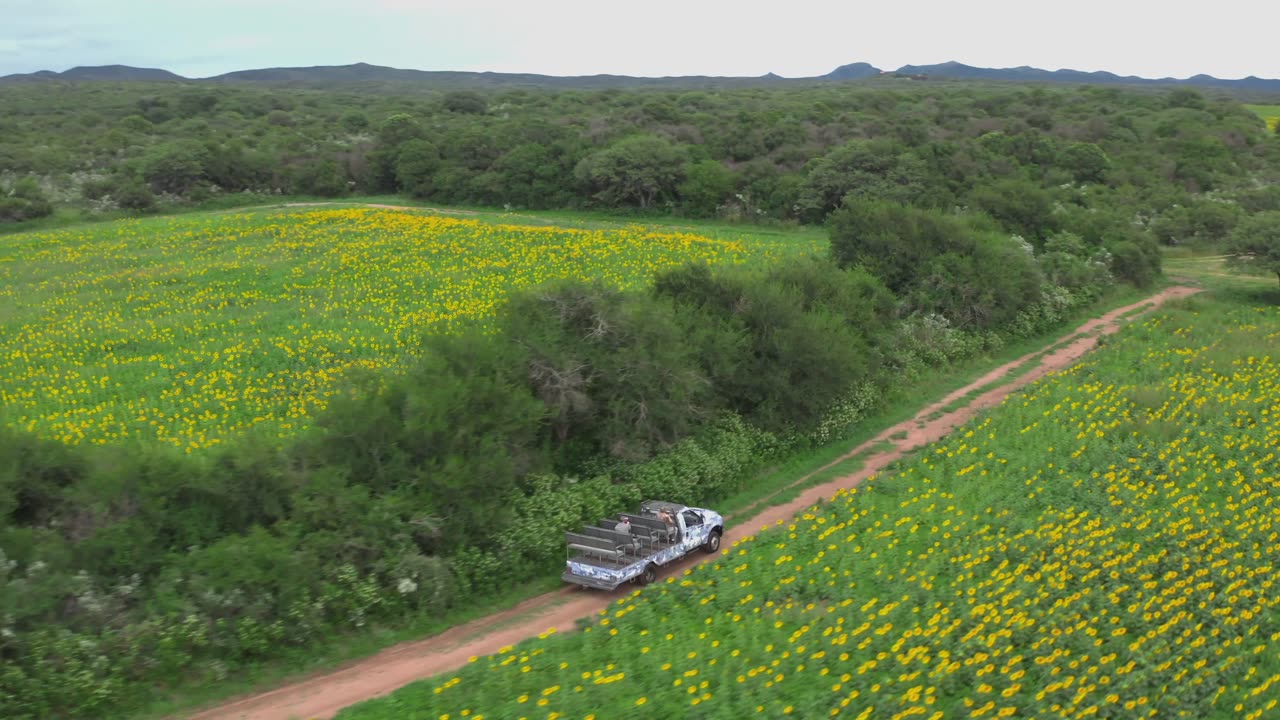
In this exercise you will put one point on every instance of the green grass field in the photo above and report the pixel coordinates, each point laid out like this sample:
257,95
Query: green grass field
1269,113
190,329
1102,544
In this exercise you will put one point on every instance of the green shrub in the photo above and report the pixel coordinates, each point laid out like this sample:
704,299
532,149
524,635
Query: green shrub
24,201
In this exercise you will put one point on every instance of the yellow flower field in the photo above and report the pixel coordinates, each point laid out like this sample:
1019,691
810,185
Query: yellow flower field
187,330
1103,546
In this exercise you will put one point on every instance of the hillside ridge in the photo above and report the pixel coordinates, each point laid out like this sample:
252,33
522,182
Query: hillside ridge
362,73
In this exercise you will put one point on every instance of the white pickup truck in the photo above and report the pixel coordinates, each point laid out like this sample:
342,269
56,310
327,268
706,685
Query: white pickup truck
633,546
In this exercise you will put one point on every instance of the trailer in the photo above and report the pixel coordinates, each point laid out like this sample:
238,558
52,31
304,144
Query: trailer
630,547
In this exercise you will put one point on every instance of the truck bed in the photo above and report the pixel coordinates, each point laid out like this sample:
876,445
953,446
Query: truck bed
604,574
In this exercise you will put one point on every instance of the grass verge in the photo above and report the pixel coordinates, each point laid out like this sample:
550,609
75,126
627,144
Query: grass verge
343,649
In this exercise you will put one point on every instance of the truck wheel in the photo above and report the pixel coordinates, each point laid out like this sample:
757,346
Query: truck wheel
649,575
712,544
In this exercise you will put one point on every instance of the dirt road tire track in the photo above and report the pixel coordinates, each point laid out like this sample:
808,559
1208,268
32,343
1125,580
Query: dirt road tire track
324,695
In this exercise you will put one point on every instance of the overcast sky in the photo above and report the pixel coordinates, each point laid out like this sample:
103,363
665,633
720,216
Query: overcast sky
793,38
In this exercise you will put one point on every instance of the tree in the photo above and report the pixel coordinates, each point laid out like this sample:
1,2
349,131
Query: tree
175,167
1021,206
196,103
1135,257
639,170
1255,243
398,129
1204,221
133,194
319,176
1066,263
232,167
135,124
26,201
455,432
984,288
1186,98
1086,161
776,344
537,174
610,367
1260,200
416,166
1199,161
893,241
280,118
354,121
465,101
706,185
863,169
155,109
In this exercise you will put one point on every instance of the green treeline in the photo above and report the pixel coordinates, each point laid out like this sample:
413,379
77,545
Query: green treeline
778,155
959,220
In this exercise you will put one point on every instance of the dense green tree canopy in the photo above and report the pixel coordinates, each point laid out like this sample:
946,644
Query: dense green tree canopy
1255,244
775,155
636,171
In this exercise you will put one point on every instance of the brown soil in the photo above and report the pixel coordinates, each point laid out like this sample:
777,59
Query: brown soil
324,695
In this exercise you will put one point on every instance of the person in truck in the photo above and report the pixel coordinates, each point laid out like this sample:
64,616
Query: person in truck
624,526
665,516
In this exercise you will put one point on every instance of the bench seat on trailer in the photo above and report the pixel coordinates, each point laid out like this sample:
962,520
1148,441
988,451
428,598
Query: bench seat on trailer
587,550
614,536
594,546
645,527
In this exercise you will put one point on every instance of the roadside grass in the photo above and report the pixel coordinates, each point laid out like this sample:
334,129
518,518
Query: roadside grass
299,663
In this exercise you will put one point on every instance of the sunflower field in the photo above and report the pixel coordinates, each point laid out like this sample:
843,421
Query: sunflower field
1102,545
186,330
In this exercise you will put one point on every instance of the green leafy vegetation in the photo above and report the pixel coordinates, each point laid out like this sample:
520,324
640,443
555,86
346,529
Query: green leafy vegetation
960,219
785,154
1255,243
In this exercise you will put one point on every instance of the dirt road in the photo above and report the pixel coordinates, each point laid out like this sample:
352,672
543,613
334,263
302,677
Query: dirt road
324,695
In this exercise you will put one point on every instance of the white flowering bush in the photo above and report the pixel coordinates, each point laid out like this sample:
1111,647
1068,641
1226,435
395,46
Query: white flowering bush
848,411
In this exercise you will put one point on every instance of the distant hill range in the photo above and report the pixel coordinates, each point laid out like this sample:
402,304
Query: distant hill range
364,74
116,73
